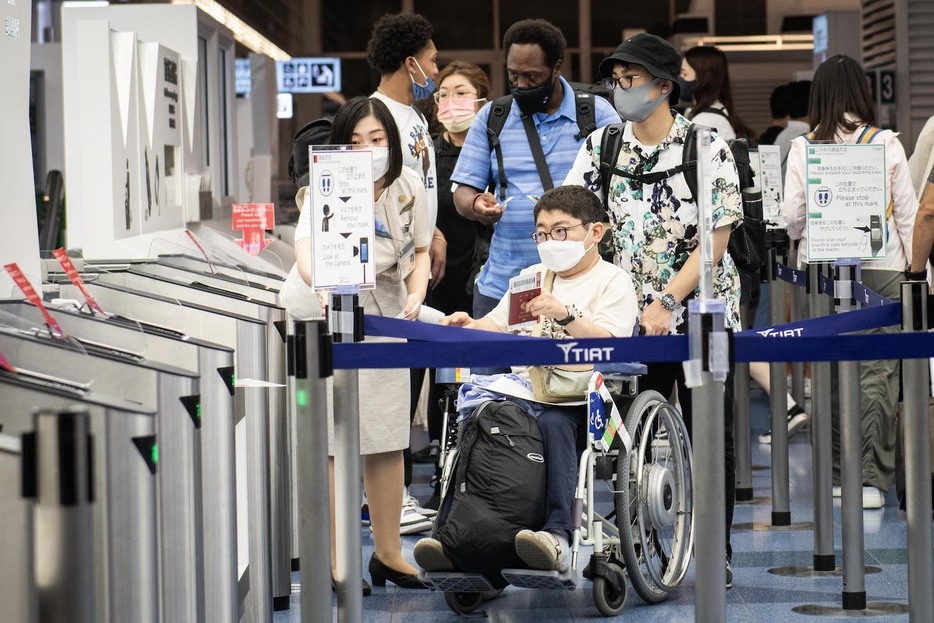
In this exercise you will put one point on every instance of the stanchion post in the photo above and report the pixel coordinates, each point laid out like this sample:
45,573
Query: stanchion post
846,273
917,460
312,357
821,452
778,402
742,432
57,473
705,373
797,367
346,318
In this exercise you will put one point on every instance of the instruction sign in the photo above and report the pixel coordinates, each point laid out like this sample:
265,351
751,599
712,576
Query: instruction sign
846,201
308,75
253,219
770,181
342,219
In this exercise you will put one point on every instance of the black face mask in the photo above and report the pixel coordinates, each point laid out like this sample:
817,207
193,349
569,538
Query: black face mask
533,99
687,89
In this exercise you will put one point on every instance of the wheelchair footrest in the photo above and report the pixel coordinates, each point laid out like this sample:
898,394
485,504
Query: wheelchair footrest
455,581
534,578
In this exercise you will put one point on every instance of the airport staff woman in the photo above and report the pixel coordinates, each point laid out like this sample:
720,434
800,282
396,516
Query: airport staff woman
401,255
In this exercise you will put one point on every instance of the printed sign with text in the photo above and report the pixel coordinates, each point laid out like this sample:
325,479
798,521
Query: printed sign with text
846,202
770,181
342,220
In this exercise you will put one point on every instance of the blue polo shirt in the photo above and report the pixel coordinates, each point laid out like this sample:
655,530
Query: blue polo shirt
512,248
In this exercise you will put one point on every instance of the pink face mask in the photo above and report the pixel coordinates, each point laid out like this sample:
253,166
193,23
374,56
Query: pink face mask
456,113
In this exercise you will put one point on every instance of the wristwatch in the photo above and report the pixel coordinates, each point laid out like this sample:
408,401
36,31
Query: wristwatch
572,316
920,275
668,301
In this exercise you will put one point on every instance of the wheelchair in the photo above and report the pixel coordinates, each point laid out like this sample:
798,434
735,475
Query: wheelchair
633,500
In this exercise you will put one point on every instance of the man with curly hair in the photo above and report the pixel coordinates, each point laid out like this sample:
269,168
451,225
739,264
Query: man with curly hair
401,50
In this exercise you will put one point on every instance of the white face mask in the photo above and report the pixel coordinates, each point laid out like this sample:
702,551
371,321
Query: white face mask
561,255
380,162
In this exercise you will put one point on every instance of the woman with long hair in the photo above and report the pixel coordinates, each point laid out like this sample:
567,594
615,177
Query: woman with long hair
841,111
705,86
400,251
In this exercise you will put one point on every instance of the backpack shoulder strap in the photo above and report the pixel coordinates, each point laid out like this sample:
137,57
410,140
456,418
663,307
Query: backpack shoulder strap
499,112
610,145
809,137
713,111
586,113
868,134
689,159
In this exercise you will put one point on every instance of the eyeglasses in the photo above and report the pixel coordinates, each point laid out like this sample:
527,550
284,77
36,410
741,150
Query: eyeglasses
558,233
624,82
443,95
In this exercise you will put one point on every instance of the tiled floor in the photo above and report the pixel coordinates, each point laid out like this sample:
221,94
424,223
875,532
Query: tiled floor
758,595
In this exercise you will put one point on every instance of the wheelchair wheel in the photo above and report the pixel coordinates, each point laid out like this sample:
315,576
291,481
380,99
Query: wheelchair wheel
609,593
654,503
463,603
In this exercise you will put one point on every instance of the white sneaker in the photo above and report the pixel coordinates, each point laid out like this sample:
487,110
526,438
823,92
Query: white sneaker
837,491
411,521
797,419
539,550
872,498
412,502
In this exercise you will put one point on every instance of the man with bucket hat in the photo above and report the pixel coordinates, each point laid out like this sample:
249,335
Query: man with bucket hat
653,215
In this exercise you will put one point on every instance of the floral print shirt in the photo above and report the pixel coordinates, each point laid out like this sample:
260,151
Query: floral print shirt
655,226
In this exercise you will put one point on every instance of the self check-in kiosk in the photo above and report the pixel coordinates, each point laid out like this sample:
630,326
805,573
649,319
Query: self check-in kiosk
125,519
214,365
173,394
247,336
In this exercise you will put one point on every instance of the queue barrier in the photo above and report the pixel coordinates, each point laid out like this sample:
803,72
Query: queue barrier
817,340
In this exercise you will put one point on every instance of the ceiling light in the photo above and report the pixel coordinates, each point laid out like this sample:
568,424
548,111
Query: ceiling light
242,32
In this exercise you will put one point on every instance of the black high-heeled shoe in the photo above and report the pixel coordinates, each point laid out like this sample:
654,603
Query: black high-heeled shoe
366,587
379,573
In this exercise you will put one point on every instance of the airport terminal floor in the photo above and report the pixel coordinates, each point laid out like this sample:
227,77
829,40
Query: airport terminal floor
757,596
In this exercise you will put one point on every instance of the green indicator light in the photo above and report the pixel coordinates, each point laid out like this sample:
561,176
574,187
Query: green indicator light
155,453
301,398
198,410
233,380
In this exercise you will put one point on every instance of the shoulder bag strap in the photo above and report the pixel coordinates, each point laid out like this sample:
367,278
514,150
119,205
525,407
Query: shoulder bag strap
536,146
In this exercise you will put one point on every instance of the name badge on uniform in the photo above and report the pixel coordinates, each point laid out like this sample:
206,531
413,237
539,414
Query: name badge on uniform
406,260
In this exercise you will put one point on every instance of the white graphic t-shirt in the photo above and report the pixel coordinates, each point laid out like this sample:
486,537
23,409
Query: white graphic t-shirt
418,152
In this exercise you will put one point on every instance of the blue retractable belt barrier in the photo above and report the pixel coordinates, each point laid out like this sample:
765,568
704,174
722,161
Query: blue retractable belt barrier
808,340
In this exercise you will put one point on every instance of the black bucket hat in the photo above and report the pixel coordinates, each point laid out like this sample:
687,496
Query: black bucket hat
660,58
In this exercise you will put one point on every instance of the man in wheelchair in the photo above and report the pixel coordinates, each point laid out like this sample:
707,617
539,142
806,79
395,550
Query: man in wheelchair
587,298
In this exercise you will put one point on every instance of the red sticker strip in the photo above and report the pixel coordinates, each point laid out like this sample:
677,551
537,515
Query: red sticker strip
23,284
6,365
72,273
203,252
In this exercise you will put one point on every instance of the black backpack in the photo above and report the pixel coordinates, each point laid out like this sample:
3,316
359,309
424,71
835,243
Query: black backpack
317,132
584,96
747,240
497,490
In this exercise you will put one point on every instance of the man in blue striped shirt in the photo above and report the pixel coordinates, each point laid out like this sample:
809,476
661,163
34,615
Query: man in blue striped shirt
534,55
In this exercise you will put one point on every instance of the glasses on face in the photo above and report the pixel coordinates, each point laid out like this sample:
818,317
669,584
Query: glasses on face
624,82
558,233
440,96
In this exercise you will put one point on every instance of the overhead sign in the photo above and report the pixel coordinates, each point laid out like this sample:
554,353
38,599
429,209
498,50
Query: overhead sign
308,75
243,77
846,202
342,219
770,181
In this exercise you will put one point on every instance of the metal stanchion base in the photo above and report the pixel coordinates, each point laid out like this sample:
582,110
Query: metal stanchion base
280,603
744,495
296,566
781,518
825,562
811,572
761,526
873,609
